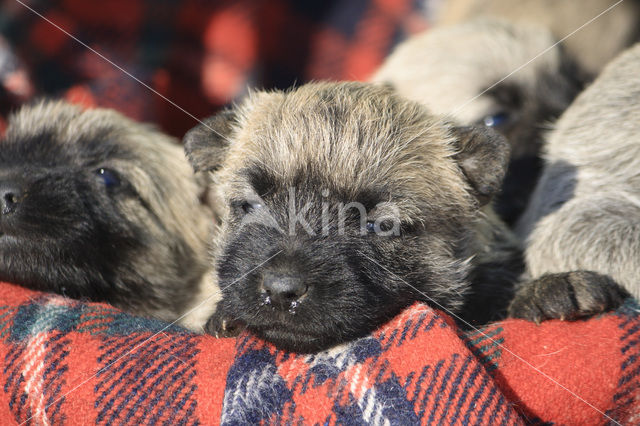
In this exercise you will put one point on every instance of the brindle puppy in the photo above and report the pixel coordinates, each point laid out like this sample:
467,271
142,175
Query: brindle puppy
96,206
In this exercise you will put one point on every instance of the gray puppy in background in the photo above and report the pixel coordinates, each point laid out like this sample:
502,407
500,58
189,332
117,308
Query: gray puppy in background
345,203
473,73
585,212
98,207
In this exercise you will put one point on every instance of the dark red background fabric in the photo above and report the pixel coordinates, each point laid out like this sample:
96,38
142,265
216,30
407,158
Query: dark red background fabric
200,54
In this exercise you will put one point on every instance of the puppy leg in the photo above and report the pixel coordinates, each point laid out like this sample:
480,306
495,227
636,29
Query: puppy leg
600,233
566,296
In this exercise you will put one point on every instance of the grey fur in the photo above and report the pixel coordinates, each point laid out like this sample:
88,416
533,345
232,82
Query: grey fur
585,212
99,207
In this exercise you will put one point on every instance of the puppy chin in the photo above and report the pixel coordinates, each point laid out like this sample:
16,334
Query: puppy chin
291,332
294,340
304,330
312,328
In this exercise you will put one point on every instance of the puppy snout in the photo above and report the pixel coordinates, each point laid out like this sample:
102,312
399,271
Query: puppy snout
282,290
10,197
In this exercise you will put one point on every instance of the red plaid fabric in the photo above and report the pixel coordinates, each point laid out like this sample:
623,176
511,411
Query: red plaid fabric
67,362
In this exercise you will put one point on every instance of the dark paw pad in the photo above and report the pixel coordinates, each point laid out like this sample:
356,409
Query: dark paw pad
566,296
220,325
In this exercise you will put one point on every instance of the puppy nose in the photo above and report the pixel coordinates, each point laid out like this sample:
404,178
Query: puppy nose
10,196
282,290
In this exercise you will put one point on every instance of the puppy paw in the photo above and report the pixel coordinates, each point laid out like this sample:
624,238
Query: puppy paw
221,325
566,296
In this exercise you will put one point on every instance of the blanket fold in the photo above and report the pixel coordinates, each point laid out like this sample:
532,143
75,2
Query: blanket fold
68,362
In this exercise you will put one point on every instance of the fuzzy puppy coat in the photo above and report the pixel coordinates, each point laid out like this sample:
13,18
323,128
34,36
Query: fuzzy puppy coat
585,212
96,206
287,164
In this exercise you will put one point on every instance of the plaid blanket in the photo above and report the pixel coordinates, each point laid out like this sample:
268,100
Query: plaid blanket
68,362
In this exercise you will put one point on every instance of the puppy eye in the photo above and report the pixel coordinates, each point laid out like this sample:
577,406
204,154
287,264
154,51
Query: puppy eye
109,178
496,120
383,226
371,227
248,206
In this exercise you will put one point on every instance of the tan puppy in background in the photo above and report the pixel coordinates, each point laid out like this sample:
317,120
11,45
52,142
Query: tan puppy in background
593,46
473,73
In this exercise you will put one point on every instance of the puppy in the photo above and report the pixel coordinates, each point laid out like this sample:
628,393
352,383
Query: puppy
96,206
581,24
345,203
585,212
473,72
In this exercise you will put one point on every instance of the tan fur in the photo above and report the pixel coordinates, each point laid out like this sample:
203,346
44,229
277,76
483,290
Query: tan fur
203,304
593,46
447,68
416,163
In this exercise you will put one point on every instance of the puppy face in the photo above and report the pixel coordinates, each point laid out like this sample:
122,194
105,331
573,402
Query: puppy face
484,72
97,206
344,203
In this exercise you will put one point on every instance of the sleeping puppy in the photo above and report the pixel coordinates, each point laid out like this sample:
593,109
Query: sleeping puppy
473,73
594,45
96,206
585,212
343,204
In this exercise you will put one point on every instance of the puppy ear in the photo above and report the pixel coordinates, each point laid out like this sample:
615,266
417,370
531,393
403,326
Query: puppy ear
206,144
483,156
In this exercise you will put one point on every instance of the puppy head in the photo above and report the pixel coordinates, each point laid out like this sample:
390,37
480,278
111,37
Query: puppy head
344,203
97,206
488,72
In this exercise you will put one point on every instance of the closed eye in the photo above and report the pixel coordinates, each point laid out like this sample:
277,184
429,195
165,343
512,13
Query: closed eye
374,227
244,207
